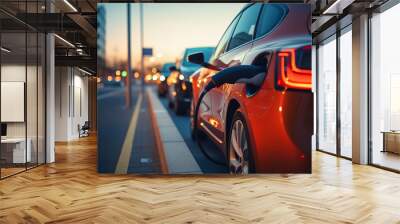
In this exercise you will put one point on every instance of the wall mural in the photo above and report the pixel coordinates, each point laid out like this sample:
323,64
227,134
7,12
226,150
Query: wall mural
190,88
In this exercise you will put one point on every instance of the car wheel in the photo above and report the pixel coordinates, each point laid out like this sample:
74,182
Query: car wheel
179,107
239,149
191,123
170,103
161,93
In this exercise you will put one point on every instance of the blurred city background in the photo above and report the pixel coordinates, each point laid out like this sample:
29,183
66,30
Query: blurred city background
159,35
168,28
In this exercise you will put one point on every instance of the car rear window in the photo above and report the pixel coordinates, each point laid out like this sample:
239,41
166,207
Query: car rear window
271,15
166,67
245,28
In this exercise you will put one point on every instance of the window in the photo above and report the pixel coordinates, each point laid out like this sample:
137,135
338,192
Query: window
22,101
245,28
346,94
225,39
327,96
271,16
385,89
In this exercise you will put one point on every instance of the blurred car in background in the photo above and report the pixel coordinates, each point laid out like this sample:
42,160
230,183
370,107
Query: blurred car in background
179,85
162,84
113,83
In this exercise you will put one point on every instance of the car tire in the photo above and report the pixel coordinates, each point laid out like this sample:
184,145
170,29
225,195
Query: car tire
239,151
161,93
191,123
170,103
179,107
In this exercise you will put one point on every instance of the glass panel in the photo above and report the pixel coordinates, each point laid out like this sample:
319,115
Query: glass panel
13,87
270,17
385,84
245,29
346,94
31,98
327,96
224,40
32,88
23,90
41,98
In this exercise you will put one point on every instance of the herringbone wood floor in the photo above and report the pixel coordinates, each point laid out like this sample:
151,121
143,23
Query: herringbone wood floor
70,191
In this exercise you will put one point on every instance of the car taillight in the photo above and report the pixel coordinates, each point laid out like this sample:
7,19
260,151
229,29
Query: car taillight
294,69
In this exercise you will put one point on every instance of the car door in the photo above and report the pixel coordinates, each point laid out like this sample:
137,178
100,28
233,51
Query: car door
205,112
239,45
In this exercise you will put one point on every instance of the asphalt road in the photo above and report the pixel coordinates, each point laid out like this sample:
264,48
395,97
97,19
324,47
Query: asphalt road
113,121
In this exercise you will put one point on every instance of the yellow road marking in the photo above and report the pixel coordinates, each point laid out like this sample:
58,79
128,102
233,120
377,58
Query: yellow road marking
126,150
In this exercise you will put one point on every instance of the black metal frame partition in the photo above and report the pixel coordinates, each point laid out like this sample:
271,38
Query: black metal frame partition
339,31
44,93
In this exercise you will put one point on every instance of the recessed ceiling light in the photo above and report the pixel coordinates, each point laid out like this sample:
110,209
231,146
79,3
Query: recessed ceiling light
338,6
84,71
64,40
5,50
70,5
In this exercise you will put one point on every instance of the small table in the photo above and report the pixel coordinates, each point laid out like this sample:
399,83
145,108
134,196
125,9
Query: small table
16,147
391,141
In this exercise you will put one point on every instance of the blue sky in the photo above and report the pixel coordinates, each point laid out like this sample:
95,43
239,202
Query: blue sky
168,27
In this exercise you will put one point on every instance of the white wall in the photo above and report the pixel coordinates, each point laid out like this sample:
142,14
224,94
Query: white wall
80,110
16,73
71,102
33,127
62,82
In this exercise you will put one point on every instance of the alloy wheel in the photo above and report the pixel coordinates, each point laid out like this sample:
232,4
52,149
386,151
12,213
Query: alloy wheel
238,149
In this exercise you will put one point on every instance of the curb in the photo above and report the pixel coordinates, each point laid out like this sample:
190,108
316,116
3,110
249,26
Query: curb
157,135
175,156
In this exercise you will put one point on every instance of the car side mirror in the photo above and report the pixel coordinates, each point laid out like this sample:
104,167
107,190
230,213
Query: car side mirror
198,58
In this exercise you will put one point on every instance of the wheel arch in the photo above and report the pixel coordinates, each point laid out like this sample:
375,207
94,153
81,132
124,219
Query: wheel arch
230,111
234,105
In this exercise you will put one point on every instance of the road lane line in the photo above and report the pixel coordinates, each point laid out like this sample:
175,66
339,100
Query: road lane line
126,150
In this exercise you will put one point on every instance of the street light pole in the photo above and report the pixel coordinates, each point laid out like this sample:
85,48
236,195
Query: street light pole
141,44
128,76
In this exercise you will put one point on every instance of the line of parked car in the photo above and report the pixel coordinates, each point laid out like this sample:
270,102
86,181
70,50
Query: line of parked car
175,83
265,124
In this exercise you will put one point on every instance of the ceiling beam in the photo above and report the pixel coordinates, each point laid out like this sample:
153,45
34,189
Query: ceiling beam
79,61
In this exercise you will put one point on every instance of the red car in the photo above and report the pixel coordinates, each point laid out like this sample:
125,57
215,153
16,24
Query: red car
265,127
